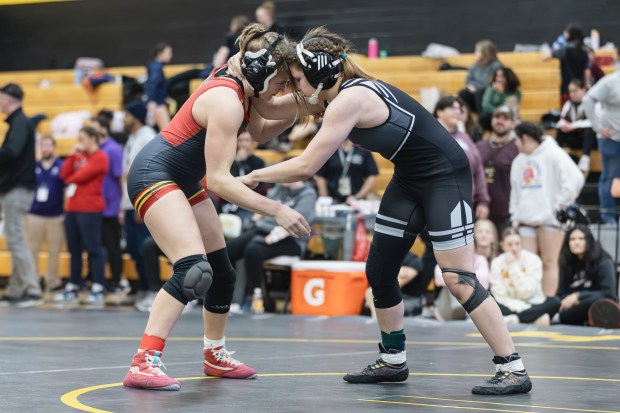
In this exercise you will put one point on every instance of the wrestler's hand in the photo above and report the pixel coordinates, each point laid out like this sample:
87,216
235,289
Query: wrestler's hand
234,66
292,221
248,181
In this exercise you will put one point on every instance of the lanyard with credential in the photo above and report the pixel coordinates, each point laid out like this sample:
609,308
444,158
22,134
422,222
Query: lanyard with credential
345,163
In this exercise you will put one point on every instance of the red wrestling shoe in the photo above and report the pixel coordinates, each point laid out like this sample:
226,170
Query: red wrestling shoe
145,373
219,363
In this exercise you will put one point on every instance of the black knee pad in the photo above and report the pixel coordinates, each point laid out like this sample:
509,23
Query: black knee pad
477,296
191,279
218,298
383,279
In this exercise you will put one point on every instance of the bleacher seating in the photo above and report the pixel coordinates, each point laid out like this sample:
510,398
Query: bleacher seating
51,92
129,269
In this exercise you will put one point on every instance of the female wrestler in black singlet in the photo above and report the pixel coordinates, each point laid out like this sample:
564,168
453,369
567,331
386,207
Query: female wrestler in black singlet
431,188
164,185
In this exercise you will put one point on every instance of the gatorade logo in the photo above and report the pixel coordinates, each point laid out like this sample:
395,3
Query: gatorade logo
314,292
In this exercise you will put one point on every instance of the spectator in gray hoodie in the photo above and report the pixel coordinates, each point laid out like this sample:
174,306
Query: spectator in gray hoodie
266,239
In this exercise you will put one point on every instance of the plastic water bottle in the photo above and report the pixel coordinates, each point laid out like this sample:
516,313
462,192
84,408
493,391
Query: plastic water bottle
258,307
373,48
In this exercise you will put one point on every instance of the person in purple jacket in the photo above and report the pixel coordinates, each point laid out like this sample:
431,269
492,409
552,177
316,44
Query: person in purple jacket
111,229
447,112
44,222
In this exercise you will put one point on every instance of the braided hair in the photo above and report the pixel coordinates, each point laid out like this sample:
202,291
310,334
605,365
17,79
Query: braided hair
319,39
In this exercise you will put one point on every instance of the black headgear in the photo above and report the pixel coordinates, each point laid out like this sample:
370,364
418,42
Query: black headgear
320,68
259,68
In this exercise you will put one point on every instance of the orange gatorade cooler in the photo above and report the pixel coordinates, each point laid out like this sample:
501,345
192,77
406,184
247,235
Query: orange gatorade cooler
328,287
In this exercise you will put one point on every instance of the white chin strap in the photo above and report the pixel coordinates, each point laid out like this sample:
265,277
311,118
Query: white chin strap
314,99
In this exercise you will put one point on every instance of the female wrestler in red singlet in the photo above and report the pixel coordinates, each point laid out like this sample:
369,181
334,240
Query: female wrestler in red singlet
164,185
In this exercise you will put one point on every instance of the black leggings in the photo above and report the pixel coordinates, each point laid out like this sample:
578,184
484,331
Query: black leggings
577,314
251,246
473,100
585,141
549,306
111,231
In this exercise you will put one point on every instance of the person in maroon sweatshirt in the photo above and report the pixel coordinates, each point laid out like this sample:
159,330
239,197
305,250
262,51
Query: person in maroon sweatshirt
83,172
497,154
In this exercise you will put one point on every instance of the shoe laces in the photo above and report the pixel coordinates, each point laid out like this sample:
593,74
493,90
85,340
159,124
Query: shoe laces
377,364
499,376
154,362
224,356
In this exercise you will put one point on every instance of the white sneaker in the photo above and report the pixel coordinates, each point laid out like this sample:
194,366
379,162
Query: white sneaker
544,320
511,319
70,295
95,298
146,303
584,164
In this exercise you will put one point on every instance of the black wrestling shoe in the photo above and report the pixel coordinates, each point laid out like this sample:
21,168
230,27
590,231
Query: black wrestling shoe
380,371
505,383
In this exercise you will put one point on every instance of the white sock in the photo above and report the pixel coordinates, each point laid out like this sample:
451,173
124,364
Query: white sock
515,365
97,288
397,358
214,343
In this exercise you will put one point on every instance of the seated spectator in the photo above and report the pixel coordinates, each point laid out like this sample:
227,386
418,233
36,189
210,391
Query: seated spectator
485,239
479,75
83,172
412,285
587,275
44,221
297,136
244,163
574,128
266,239
544,180
503,91
446,306
516,283
348,175
447,112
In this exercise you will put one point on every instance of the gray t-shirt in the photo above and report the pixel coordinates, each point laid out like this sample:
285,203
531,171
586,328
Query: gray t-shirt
480,76
606,92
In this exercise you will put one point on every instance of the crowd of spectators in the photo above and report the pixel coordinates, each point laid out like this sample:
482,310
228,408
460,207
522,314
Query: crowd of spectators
538,271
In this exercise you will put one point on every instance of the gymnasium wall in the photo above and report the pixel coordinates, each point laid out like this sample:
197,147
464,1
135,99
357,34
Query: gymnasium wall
52,35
